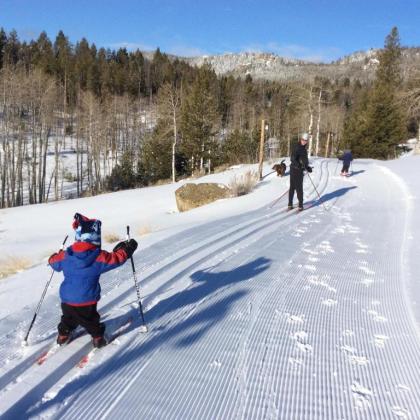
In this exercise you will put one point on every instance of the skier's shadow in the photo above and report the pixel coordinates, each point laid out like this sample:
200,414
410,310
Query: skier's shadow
205,284
199,307
334,195
353,173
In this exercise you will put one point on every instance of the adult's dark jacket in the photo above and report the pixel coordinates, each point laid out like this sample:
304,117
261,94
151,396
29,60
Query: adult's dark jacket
299,157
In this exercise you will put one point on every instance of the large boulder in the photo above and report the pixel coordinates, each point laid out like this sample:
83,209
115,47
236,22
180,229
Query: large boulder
190,196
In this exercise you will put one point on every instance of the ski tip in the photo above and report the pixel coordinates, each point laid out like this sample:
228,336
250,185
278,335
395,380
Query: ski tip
83,362
143,329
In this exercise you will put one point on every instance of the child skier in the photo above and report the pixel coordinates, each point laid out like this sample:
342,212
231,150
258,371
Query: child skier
346,158
82,264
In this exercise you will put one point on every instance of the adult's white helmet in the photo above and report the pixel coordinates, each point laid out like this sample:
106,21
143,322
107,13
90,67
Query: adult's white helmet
304,136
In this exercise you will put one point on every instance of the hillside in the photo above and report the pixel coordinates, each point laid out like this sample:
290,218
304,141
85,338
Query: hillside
360,65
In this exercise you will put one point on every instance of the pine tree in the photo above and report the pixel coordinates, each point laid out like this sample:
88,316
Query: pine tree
11,48
3,41
83,63
122,176
378,123
44,54
239,147
136,77
199,117
63,64
386,122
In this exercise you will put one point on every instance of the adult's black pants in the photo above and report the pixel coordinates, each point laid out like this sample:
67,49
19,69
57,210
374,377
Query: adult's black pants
296,184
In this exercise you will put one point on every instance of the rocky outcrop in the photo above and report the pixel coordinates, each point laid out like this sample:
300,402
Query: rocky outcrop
190,196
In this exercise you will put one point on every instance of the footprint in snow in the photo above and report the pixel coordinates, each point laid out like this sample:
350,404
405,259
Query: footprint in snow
402,387
295,318
361,395
310,251
216,363
348,350
352,357
360,244
339,229
367,282
304,347
325,248
301,338
296,363
366,270
358,360
400,412
376,317
314,280
329,302
380,340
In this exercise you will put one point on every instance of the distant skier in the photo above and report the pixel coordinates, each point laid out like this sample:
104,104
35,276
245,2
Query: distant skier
298,164
346,157
82,264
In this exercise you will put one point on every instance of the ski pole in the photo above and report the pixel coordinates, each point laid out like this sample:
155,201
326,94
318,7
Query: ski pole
144,326
336,166
25,341
278,199
316,192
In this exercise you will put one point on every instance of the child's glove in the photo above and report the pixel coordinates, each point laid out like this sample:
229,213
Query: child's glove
128,246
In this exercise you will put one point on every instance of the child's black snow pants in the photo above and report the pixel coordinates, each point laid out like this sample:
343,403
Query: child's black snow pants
85,316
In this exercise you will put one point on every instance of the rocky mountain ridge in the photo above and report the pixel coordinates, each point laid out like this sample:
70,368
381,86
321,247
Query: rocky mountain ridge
359,65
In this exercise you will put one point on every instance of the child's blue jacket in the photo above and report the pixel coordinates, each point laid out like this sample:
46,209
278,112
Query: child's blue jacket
82,264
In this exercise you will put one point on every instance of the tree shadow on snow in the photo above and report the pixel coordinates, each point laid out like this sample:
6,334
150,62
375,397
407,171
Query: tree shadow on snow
199,308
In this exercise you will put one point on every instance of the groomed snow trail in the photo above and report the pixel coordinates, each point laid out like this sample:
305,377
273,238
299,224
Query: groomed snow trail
267,315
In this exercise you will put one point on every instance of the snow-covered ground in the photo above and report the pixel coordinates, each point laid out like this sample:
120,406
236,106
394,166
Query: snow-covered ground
253,312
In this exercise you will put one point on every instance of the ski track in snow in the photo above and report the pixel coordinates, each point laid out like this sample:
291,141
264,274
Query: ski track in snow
260,316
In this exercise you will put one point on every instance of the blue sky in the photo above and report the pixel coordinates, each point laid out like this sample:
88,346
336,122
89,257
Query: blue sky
320,30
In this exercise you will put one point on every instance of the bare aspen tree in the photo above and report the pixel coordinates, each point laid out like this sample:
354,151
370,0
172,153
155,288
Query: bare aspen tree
318,123
311,120
169,104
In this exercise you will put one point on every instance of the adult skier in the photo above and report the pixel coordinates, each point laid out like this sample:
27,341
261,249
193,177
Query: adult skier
82,264
346,157
298,164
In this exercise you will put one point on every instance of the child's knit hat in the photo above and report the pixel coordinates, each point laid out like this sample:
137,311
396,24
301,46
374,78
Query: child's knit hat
87,230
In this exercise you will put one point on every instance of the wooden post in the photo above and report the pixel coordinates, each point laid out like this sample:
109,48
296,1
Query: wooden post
262,148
